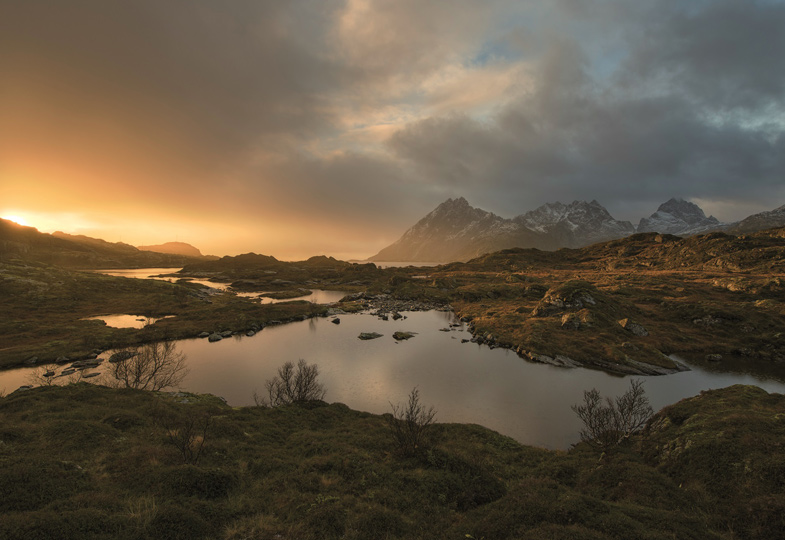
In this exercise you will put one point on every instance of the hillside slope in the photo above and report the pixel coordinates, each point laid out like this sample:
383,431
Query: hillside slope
88,462
76,251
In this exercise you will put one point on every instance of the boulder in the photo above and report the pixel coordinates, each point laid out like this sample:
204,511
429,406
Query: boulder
570,321
226,333
633,327
398,336
250,333
214,337
119,356
369,335
336,320
204,334
713,357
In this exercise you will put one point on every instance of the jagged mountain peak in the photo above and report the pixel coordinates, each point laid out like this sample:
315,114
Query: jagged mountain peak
575,215
455,230
686,210
679,217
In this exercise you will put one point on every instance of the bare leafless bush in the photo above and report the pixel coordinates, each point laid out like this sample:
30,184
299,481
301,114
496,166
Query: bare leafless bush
295,384
43,375
608,422
150,367
410,424
187,433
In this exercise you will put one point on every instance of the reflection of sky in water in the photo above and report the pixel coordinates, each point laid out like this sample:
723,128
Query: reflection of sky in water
126,321
317,296
464,382
141,273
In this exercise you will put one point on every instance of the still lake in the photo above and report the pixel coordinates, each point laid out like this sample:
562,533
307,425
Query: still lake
465,382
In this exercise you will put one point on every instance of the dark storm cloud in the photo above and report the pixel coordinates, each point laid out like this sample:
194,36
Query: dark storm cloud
350,112
669,130
223,76
725,54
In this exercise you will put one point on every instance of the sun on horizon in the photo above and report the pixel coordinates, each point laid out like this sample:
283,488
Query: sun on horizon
18,220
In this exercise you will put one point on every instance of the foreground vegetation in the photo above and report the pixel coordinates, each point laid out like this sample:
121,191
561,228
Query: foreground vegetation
84,461
43,310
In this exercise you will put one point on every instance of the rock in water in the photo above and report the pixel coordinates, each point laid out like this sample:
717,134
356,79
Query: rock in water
369,335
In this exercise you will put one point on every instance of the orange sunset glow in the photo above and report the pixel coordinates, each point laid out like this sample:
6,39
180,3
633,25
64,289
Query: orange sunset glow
254,128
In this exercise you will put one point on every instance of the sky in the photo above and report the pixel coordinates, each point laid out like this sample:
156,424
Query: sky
299,127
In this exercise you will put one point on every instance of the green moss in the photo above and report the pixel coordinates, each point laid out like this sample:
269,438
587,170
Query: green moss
326,471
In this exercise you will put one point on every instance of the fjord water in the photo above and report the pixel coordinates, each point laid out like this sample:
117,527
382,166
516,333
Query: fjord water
465,382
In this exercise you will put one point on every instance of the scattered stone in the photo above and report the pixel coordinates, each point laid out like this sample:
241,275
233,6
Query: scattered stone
398,336
557,300
119,356
465,340
570,321
250,333
713,357
335,320
49,374
444,330
226,333
396,315
62,360
214,337
204,334
708,320
369,335
633,327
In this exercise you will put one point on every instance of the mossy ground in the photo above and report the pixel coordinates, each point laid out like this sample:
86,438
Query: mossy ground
712,296
43,307
84,461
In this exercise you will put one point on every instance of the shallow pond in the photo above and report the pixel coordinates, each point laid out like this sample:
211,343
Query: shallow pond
465,382
126,321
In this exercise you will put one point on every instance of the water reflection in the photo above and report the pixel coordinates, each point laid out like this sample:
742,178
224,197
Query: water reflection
141,273
465,382
126,321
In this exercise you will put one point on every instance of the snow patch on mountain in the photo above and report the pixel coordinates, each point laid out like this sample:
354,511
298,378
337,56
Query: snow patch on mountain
679,217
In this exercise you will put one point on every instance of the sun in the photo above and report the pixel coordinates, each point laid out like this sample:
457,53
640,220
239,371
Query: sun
16,219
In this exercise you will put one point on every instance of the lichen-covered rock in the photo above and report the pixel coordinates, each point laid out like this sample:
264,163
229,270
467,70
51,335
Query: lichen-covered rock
570,296
634,327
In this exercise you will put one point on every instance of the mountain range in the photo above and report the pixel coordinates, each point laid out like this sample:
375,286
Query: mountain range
456,231
79,251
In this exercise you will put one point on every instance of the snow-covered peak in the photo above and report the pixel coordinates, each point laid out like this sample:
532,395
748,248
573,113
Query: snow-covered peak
586,217
678,216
